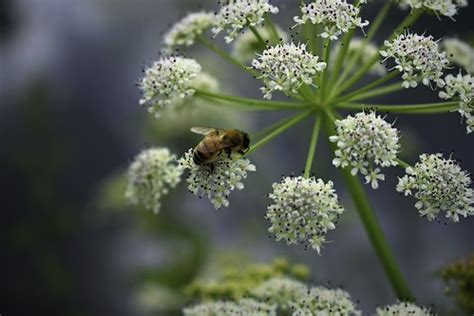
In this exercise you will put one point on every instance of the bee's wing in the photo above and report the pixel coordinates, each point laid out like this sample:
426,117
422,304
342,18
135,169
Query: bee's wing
202,130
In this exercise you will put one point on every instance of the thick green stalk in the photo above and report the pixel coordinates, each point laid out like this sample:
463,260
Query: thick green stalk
258,36
403,164
373,229
312,146
397,86
274,36
324,80
427,108
341,55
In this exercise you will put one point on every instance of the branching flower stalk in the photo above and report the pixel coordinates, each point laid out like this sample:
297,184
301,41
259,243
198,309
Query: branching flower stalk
305,208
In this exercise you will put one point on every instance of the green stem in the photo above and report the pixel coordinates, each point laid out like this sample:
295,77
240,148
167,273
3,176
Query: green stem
427,108
275,37
248,102
341,55
373,229
312,146
403,164
379,19
289,123
379,91
324,80
258,36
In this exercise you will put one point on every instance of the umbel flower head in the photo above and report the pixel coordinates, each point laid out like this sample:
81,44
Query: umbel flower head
167,81
150,176
461,87
447,8
188,28
418,57
235,15
337,17
303,210
438,184
282,292
365,142
243,307
285,67
403,308
459,53
323,301
216,182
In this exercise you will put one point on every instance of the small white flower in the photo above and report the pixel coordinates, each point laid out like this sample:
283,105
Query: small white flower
235,15
150,176
187,29
303,210
337,17
243,307
447,8
167,81
282,292
323,301
365,142
226,175
400,309
461,87
459,53
438,184
417,57
286,67
247,45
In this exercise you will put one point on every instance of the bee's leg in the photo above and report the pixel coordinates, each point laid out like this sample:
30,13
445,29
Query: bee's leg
228,152
211,167
242,151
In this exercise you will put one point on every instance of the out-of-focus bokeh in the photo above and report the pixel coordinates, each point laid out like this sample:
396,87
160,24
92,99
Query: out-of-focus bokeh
70,124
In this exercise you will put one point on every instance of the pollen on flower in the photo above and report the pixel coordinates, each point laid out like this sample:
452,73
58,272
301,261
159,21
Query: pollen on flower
286,67
366,143
337,17
217,182
461,87
188,28
150,176
235,15
168,81
459,53
447,8
323,301
403,308
246,307
418,58
438,184
303,210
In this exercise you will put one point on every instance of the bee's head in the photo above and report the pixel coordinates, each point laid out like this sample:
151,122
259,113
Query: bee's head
246,141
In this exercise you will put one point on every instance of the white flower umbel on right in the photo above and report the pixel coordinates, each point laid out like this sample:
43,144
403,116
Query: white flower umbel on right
167,81
217,182
418,58
400,309
323,301
303,210
459,53
438,184
337,17
235,15
447,8
366,142
243,307
461,87
286,67
150,176
188,28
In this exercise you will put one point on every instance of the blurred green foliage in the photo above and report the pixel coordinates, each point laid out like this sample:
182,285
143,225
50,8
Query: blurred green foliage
459,278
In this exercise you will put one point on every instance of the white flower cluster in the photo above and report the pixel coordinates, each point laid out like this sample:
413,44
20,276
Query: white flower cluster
150,176
246,45
438,184
337,16
216,182
282,292
461,87
188,28
244,307
447,8
418,57
403,309
365,142
167,81
366,52
235,15
286,67
459,53
303,210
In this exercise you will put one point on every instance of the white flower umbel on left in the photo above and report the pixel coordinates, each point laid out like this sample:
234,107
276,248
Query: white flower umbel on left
282,292
337,17
188,28
244,307
150,176
438,184
235,15
217,182
447,8
459,53
418,58
286,67
366,142
400,309
461,87
167,81
323,301
303,210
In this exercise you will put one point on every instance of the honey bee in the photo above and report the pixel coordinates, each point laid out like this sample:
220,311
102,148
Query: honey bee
216,141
